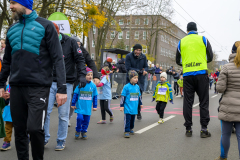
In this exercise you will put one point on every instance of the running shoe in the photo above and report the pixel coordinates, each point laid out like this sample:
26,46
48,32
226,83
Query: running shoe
111,118
77,135
60,146
161,121
220,158
6,146
84,135
126,135
188,133
205,134
131,132
45,143
102,122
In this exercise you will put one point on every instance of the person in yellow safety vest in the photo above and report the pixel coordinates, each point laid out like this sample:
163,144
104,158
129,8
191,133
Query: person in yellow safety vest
193,54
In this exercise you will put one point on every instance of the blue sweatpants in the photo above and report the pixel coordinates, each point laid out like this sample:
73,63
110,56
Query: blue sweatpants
226,135
129,122
82,122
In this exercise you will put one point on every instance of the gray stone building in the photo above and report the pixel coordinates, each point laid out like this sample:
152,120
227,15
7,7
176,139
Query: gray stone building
158,36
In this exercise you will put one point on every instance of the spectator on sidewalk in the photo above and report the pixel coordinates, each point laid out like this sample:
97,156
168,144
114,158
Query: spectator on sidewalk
138,62
215,77
176,77
2,50
229,113
158,71
121,76
169,73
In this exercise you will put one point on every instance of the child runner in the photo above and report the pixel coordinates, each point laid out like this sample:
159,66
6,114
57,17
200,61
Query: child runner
8,126
180,83
131,96
82,101
105,95
163,93
4,100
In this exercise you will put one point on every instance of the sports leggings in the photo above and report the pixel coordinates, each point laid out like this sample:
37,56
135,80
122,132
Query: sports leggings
105,107
226,135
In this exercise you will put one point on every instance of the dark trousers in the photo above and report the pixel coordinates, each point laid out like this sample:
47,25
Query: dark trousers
160,107
105,107
198,84
129,122
215,87
139,107
176,88
28,110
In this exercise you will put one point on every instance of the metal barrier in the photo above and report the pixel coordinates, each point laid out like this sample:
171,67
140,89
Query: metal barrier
118,80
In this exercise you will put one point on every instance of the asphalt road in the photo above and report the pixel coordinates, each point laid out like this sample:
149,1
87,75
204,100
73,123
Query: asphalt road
161,142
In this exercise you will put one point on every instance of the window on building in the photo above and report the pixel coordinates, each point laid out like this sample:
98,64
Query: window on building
166,51
127,35
137,21
93,55
112,35
121,22
136,35
128,22
162,38
94,29
120,35
127,48
144,35
93,43
161,52
146,21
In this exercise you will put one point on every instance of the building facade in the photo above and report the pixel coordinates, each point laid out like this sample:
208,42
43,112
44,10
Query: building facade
158,36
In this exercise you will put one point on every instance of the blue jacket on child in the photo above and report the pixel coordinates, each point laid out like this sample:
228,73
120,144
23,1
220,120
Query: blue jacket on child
131,96
84,98
7,112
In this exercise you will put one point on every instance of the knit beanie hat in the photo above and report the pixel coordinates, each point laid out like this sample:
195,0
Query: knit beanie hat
56,26
88,70
26,3
192,26
76,38
109,59
164,74
137,46
235,47
132,74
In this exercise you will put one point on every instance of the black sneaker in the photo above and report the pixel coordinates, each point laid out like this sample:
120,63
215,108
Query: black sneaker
139,116
188,133
205,134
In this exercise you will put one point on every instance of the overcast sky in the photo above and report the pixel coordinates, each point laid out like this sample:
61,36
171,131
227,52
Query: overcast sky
219,19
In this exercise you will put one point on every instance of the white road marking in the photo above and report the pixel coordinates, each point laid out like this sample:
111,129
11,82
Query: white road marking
154,125
195,105
214,96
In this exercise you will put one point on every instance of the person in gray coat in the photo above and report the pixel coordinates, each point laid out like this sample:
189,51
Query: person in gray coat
229,110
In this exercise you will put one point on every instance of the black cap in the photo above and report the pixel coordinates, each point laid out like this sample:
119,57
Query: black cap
234,48
137,46
192,26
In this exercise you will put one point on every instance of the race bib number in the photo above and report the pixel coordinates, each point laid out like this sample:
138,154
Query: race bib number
162,91
134,96
84,95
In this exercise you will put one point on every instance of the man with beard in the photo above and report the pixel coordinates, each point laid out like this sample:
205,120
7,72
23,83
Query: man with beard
32,48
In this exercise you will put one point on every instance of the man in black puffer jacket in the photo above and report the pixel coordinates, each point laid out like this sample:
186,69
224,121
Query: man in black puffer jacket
74,62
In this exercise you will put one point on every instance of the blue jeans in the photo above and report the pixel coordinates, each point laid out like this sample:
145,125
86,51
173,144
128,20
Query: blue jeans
82,122
63,113
129,122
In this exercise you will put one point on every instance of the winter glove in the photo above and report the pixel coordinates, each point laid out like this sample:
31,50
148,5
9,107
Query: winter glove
82,82
171,101
153,99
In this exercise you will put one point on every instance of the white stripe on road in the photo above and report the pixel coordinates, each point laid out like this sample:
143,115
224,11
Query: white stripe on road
153,125
214,96
195,105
